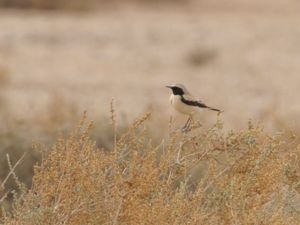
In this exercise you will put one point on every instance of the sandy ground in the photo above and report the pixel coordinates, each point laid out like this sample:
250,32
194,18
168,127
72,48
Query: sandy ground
244,62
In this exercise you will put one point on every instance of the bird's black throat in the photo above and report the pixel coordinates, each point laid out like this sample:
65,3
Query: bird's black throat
177,91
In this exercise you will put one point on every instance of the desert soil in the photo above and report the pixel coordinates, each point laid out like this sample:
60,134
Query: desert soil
246,62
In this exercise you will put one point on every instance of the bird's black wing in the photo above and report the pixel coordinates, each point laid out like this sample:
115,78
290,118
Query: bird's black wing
198,104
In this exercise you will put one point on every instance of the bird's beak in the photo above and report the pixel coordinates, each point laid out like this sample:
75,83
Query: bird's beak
168,86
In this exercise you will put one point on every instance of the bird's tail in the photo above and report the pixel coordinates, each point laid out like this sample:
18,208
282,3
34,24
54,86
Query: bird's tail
217,110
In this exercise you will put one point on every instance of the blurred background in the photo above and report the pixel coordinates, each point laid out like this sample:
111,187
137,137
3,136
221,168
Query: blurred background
60,57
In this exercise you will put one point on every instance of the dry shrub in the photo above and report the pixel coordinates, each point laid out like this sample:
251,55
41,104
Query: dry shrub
45,126
198,57
16,139
247,177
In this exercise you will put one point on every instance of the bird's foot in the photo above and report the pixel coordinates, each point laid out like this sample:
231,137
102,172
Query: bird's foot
191,126
186,129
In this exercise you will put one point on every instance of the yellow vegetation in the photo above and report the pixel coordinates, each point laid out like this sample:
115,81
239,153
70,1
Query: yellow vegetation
201,177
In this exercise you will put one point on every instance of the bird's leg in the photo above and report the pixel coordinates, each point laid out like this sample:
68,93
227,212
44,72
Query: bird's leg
192,121
186,125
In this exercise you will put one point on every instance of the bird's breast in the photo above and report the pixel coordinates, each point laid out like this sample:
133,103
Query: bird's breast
180,106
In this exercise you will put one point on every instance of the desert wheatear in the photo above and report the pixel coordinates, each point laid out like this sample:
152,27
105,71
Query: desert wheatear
185,103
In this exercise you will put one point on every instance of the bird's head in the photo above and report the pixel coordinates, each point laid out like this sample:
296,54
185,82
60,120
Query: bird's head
178,89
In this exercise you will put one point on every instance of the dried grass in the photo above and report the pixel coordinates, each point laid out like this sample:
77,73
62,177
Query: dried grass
201,177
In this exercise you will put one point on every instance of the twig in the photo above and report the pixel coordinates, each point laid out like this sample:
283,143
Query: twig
4,197
113,121
216,177
115,219
11,169
196,153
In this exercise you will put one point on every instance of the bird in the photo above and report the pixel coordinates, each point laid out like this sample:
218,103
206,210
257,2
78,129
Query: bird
183,102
